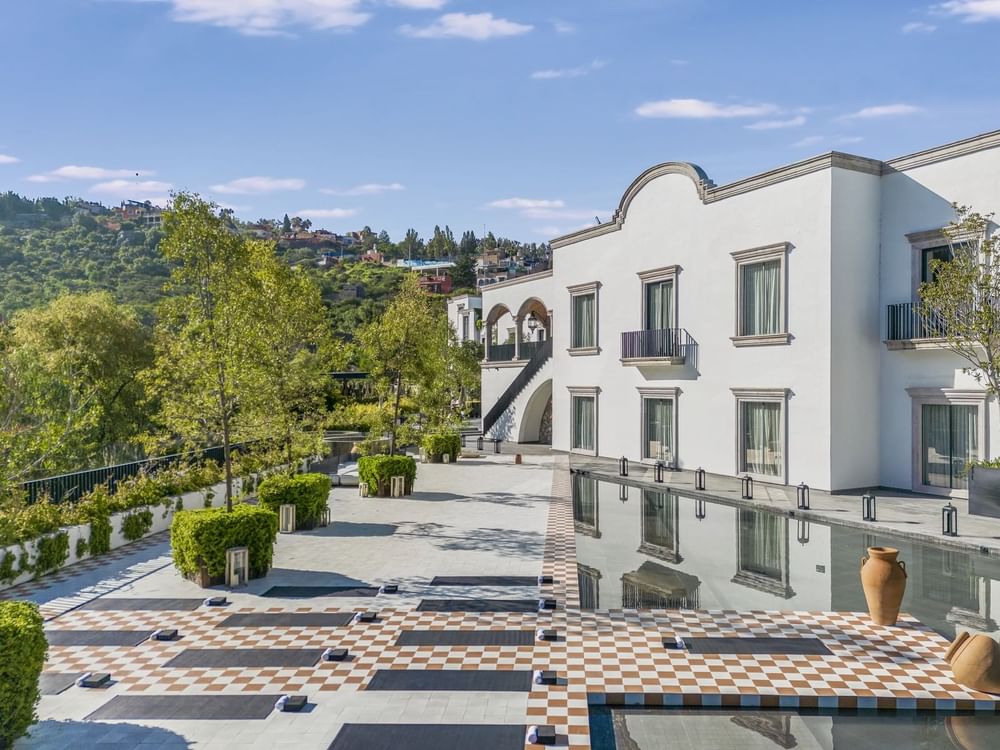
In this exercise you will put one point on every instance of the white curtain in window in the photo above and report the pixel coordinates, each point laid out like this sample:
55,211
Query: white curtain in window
659,441
762,438
583,321
659,305
964,442
761,298
762,543
583,422
949,439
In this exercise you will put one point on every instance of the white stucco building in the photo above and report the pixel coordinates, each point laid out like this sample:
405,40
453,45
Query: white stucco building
763,327
464,313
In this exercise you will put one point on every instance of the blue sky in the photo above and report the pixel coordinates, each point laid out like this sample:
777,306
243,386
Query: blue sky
529,117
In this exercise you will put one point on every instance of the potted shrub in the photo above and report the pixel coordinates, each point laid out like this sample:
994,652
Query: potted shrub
984,488
309,494
23,645
377,472
438,444
199,540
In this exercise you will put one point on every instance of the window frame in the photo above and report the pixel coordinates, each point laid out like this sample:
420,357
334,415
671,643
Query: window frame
592,392
645,394
765,395
779,252
948,397
581,290
653,276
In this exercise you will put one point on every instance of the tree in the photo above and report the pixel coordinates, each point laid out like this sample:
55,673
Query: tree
208,336
88,348
464,273
402,348
961,302
411,245
286,224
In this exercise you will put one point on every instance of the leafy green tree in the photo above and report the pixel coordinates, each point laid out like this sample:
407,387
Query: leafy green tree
961,302
208,336
286,224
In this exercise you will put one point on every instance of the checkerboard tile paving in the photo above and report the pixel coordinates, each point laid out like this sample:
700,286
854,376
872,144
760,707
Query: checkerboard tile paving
611,657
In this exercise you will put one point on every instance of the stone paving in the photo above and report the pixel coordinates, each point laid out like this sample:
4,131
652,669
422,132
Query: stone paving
482,516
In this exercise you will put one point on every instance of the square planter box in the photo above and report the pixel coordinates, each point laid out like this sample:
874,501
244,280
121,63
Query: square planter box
984,492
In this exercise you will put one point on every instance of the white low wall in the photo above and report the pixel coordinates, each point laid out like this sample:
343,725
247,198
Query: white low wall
162,517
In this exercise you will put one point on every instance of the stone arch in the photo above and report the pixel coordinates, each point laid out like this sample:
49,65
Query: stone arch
534,411
496,312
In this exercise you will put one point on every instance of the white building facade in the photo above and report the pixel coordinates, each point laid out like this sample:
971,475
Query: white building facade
465,311
764,327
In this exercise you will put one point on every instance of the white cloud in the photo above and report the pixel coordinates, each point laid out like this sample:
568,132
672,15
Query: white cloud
269,17
560,214
701,109
809,140
840,140
792,122
254,185
678,61
74,172
971,11
918,27
882,110
526,203
8,159
327,213
848,139
553,73
564,27
41,178
369,188
477,26
419,4
130,187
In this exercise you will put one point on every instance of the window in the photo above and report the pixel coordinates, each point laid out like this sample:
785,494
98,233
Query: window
583,420
760,430
659,424
659,533
929,254
762,552
659,299
949,431
760,296
465,328
583,319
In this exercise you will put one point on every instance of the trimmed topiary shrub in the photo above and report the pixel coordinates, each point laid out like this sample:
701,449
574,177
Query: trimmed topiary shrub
377,473
23,645
438,444
136,525
199,540
307,492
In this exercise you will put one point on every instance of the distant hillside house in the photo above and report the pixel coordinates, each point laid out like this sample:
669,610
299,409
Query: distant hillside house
143,213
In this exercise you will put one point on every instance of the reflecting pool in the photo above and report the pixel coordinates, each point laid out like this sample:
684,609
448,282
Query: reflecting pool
641,548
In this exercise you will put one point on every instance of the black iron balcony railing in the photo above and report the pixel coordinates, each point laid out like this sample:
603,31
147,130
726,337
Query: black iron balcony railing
501,353
528,348
905,322
673,344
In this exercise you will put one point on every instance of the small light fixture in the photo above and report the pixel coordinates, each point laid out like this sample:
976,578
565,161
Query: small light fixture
868,508
699,509
747,483
949,520
802,496
623,493
658,472
479,443
532,323
623,467
803,532
496,445
699,478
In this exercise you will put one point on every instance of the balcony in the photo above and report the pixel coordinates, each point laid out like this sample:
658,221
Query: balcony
500,353
667,346
907,328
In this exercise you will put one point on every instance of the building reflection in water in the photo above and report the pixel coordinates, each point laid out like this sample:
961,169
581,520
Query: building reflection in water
762,552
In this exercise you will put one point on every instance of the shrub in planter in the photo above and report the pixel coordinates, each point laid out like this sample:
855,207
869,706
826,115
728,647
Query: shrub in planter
23,645
8,567
95,509
438,444
53,551
307,492
377,472
136,525
199,540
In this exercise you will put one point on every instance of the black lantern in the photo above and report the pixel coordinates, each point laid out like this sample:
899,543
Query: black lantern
949,520
802,496
623,493
803,532
658,472
496,445
623,467
463,441
747,483
699,509
699,478
479,443
868,508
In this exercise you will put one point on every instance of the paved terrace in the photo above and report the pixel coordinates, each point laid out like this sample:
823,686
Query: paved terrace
483,516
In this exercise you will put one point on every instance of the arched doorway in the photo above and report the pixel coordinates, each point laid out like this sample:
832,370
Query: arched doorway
536,420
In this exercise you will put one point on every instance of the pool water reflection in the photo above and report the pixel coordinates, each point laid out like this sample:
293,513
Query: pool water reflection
641,548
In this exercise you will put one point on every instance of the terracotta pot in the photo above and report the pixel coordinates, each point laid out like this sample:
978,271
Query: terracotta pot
971,732
975,662
883,578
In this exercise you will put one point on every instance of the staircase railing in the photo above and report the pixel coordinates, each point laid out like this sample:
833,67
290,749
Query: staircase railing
523,378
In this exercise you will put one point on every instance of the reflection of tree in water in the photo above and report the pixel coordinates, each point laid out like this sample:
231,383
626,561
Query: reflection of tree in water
623,739
775,727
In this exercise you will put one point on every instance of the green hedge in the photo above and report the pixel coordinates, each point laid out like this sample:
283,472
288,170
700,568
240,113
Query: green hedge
199,539
377,472
438,444
307,492
136,525
23,646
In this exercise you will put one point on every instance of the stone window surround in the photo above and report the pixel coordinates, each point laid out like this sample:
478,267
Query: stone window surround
952,397
594,392
925,240
666,273
591,287
771,395
777,251
645,393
